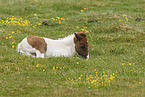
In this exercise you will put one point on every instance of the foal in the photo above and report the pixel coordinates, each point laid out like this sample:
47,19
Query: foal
45,47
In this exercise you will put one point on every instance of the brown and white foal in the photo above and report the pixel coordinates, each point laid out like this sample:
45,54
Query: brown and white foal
45,47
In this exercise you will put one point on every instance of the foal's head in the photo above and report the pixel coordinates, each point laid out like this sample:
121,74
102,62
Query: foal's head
81,44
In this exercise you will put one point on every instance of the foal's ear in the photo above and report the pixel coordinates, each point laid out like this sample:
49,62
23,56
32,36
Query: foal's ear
76,34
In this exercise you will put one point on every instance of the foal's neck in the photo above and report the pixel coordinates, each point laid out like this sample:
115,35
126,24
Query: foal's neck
69,40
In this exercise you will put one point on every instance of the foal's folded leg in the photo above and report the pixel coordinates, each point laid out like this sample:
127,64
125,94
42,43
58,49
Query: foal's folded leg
39,54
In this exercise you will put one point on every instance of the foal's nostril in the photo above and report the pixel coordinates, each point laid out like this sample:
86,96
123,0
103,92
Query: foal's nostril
82,46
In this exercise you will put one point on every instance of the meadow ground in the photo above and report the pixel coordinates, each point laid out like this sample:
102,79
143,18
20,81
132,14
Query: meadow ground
116,66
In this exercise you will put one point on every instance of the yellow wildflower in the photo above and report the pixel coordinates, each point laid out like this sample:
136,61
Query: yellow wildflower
84,8
12,42
6,37
119,20
62,19
82,29
77,62
43,69
35,14
13,46
53,67
58,18
10,37
81,10
126,18
37,65
59,21
87,31
13,32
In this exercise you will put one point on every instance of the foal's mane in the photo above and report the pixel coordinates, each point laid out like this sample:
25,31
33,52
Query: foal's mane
69,37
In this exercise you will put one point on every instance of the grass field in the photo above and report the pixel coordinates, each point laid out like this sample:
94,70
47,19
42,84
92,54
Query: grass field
116,67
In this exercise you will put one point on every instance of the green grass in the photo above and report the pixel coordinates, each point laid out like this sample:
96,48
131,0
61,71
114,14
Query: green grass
116,45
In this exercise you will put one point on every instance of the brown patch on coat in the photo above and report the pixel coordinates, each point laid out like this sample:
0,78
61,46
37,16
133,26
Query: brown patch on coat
37,43
81,44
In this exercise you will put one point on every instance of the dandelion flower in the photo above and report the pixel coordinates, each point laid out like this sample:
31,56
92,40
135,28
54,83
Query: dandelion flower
12,42
59,21
10,37
58,18
87,59
77,62
89,87
53,67
81,10
13,32
77,27
43,69
82,29
87,31
35,14
27,76
119,20
62,19
37,65
84,8
129,63
139,82
6,37
13,46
